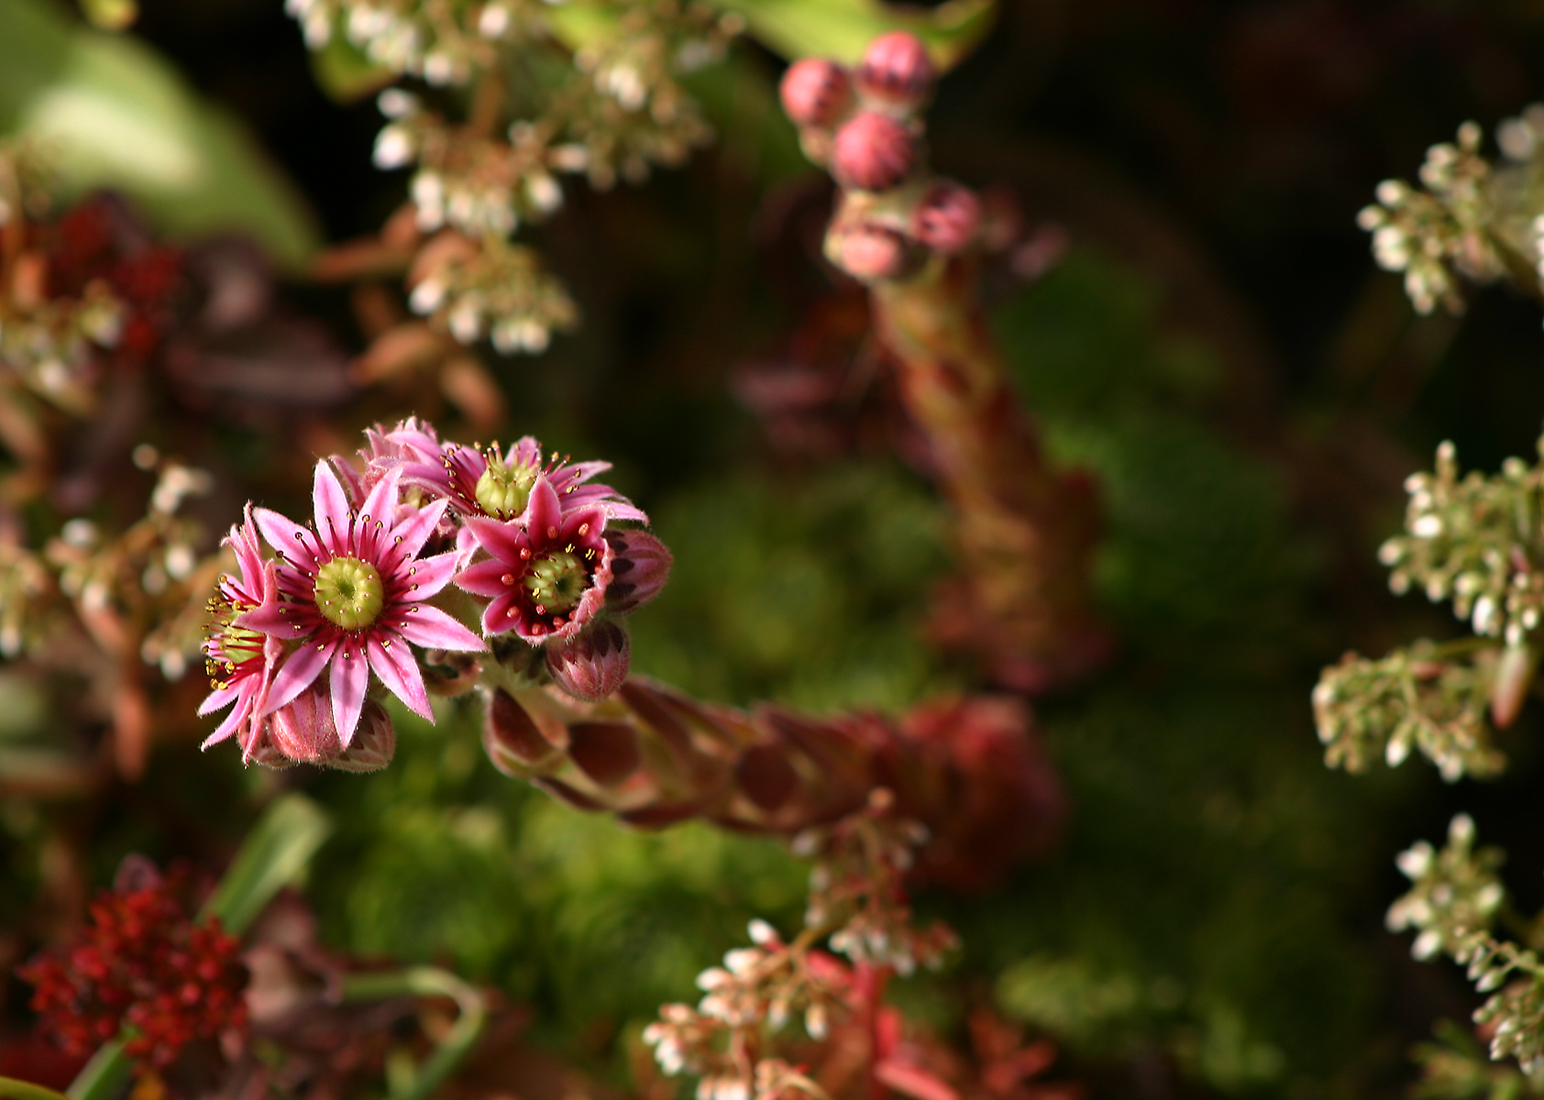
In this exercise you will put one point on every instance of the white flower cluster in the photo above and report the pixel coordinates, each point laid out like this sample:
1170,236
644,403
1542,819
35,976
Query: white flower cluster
442,42
1476,541
498,290
50,344
856,884
757,987
1435,235
476,185
1411,699
1453,901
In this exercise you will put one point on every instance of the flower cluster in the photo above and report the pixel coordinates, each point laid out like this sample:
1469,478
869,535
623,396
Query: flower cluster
85,292
141,964
294,638
1474,540
857,888
1420,697
865,125
1454,899
1475,220
602,99
753,996
498,290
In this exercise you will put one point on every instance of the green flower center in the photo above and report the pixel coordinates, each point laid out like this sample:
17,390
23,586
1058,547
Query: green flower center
503,491
557,581
349,592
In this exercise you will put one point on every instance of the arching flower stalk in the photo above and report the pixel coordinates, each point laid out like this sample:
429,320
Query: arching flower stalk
1023,531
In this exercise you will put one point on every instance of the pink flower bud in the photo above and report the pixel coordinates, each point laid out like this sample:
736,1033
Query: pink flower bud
374,744
873,152
897,70
304,731
639,570
870,253
816,92
593,663
947,218
513,740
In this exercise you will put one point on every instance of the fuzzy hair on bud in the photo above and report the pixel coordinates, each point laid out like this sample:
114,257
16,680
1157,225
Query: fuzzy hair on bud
896,70
816,92
947,219
873,152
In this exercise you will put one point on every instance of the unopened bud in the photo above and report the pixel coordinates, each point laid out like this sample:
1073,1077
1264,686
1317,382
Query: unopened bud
1509,690
640,566
873,152
304,731
606,752
765,775
897,71
512,739
870,253
947,218
593,663
374,744
816,92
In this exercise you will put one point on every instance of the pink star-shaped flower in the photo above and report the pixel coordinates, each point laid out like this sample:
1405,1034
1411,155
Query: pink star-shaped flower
352,591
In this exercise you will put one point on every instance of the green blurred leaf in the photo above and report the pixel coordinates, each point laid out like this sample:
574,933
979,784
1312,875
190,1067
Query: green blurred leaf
842,28
275,854
116,115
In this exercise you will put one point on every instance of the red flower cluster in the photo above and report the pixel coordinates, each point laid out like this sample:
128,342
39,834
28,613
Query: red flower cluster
100,239
143,964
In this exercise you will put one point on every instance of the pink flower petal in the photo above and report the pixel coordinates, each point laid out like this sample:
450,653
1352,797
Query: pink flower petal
432,628
583,471
298,673
432,574
593,520
287,537
496,618
398,670
502,540
353,487
378,510
274,619
544,514
486,578
350,677
232,722
381,503
600,495
219,697
332,511
414,531
525,451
